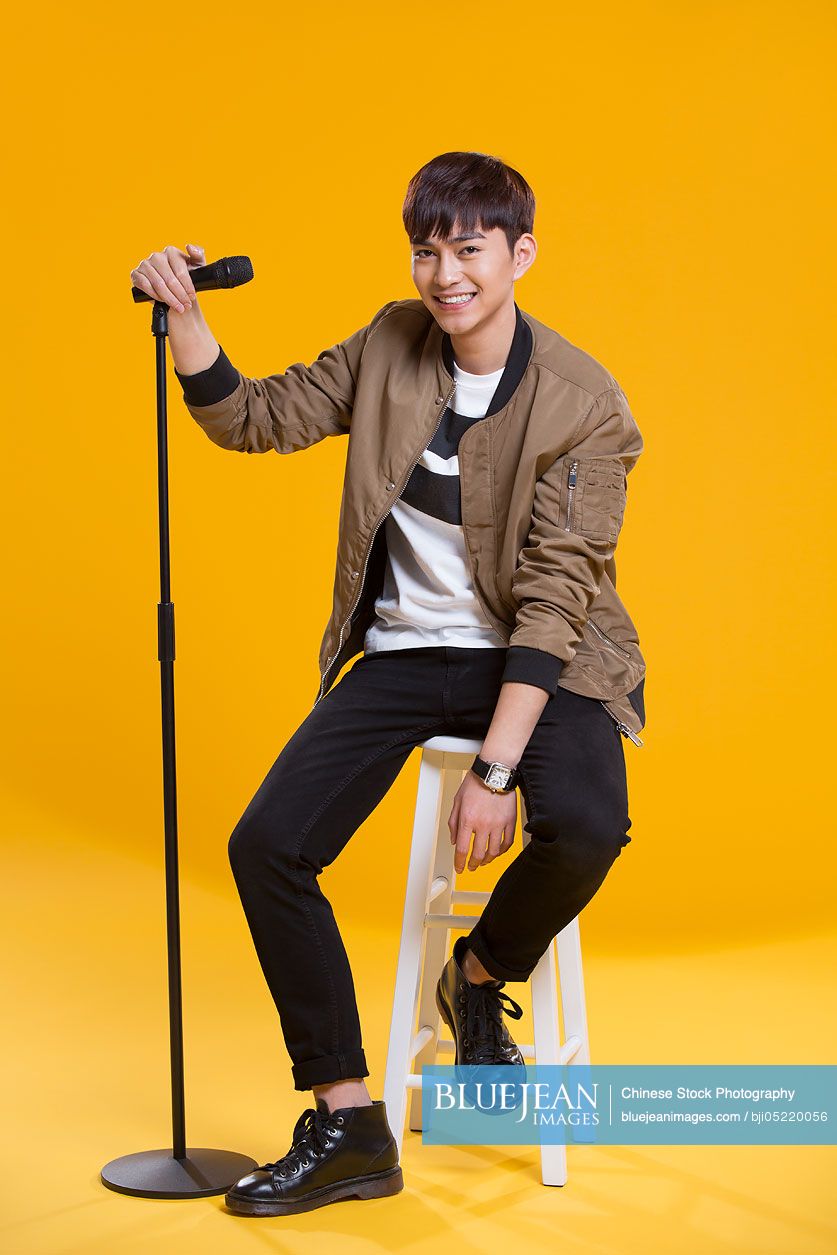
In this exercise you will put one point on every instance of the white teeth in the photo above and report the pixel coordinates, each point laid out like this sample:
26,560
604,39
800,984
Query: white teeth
455,300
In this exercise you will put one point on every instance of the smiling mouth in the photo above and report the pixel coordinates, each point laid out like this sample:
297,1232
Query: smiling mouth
456,302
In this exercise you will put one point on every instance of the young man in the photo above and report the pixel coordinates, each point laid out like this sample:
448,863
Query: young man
484,493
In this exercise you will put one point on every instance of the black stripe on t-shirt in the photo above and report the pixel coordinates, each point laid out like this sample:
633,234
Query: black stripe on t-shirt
430,491
450,431
437,495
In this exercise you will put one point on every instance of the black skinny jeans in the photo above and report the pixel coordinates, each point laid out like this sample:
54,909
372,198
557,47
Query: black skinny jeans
334,771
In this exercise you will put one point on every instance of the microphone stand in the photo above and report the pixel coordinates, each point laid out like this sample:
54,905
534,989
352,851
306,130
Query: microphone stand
175,1173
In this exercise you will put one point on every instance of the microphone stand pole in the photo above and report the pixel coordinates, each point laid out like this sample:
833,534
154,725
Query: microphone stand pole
178,1172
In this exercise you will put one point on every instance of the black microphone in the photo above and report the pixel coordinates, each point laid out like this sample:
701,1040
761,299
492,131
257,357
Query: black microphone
226,272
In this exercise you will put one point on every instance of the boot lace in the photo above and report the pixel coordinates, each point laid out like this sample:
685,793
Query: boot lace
310,1140
486,1033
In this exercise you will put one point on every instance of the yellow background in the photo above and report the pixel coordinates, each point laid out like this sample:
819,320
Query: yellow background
682,160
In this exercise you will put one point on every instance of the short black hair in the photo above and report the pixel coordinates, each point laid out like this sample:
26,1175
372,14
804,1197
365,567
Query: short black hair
471,188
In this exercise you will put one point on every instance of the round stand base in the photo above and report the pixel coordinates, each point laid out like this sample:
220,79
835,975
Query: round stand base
157,1174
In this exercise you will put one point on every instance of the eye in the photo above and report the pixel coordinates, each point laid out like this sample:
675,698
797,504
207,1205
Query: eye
423,252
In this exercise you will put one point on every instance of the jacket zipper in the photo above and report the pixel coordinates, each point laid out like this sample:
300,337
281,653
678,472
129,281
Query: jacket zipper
623,727
393,500
607,640
571,482
499,627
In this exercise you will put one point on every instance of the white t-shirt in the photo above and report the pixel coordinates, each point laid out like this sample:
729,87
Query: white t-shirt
427,596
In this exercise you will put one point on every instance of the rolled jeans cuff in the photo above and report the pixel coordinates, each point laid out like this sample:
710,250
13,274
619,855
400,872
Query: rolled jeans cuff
329,1068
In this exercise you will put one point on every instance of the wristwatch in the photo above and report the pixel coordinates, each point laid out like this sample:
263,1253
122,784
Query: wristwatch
498,777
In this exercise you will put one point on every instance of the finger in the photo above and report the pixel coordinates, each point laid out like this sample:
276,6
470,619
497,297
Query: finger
463,843
186,283
478,852
179,263
508,840
139,281
195,256
159,287
495,841
175,284
453,822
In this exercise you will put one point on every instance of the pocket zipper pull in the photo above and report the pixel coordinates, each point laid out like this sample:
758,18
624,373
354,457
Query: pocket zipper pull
571,482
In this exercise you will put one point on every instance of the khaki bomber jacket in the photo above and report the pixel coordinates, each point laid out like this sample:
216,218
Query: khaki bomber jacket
542,480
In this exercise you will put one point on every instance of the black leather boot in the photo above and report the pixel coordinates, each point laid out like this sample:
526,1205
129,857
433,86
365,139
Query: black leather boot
346,1153
474,1015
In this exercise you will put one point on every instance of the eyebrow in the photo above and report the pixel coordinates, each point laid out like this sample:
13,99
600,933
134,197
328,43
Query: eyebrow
473,235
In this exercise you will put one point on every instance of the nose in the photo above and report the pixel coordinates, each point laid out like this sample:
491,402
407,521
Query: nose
448,271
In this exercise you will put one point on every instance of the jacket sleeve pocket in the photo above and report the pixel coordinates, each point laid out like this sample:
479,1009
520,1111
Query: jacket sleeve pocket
597,492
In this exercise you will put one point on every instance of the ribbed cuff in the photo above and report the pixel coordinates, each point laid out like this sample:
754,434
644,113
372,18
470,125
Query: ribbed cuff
215,383
525,665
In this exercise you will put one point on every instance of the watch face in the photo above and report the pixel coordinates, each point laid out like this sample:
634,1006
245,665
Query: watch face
498,776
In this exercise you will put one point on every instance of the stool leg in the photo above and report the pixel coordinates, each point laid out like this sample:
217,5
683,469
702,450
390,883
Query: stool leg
545,1018
573,999
436,939
547,1050
546,1033
405,1000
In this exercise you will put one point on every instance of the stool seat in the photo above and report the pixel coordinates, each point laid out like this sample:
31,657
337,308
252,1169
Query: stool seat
452,744
416,1026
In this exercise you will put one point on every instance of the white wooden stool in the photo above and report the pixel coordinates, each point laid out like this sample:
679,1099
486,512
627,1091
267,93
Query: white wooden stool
424,951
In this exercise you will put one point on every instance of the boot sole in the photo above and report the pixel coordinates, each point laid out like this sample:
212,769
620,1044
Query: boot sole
378,1185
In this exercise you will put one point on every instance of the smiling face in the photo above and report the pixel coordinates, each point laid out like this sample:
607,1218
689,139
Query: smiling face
468,278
